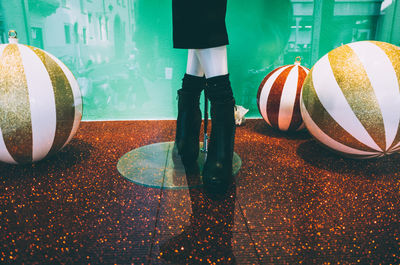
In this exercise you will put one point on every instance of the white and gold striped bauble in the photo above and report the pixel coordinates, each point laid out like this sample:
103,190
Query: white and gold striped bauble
351,99
278,97
40,103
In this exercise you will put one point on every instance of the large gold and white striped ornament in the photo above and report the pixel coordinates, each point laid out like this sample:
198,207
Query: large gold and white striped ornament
351,99
40,104
278,97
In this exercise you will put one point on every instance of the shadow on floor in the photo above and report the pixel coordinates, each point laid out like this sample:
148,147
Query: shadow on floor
318,156
265,129
74,153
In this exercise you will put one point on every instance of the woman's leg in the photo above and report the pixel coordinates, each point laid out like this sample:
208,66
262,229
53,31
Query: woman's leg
189,115
214,61
193,66
217,171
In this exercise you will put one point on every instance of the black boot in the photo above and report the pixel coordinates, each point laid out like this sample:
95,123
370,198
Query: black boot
217,172
189,118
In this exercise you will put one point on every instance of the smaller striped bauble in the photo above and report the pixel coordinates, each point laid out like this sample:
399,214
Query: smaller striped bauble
351,99
278,97
40,103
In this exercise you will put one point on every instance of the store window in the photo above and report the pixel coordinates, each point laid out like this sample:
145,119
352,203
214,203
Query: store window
133,85
84,35
101,28
65,3
67,33
83,6
37,37
76,33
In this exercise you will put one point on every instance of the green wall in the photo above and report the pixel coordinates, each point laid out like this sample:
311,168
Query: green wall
121,50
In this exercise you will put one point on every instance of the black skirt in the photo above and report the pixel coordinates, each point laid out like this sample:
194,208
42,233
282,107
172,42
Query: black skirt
199,24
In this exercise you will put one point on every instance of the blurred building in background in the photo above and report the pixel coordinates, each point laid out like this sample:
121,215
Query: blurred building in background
320,26
80,32
121,50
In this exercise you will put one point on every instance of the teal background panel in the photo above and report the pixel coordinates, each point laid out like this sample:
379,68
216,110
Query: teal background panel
121,51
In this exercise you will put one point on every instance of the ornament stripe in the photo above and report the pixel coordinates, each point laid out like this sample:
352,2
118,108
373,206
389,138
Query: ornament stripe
351,77
64,100
76,94
3,149
355,156
297,120
14,99
264,81
327,140
384,81
2,47
302,126
4,154
339,109
263,99
275,95
287,99
362,157
396,148
41,99
393,53
327,124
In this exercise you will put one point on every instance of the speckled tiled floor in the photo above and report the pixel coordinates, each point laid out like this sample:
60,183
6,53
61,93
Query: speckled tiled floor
293,202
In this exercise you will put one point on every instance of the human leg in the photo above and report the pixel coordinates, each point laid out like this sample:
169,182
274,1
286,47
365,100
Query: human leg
189,114
193,66
217,171
214,61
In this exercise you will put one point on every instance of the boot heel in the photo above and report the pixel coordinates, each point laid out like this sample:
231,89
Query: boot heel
217,171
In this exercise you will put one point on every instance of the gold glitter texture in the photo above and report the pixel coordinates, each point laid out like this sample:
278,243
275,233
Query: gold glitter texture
393,53
15,114
324,120
64,99
353,80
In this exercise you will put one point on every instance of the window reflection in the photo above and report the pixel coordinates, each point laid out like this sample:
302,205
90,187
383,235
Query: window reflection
121,51
320,26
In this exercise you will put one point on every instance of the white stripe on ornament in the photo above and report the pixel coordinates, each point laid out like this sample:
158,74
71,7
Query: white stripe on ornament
2,47
335,103
42,103
384,81
326,139
77,96
302,126
373,156
288,98
4,154
266,90
396,147
307,71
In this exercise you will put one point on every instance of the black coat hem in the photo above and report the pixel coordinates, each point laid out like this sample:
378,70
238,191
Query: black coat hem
199,46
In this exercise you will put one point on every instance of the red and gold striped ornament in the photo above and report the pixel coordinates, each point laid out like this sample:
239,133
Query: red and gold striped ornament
40,103
278,97
351,99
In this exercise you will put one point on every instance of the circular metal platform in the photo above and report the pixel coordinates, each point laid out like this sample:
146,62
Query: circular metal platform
155,166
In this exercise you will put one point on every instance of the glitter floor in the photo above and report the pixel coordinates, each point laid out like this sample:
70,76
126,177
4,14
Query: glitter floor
293,202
